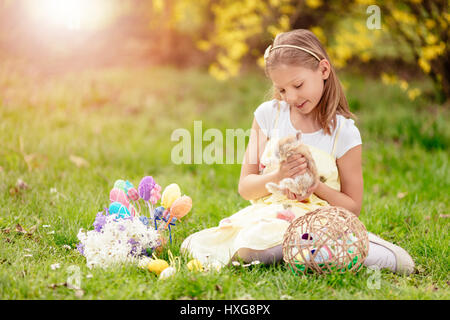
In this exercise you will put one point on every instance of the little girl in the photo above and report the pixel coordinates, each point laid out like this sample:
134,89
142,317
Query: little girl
308,97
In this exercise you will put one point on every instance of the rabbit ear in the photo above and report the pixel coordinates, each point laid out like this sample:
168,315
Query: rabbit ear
298,135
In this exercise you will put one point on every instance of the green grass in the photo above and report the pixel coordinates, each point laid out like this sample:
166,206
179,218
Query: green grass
120,121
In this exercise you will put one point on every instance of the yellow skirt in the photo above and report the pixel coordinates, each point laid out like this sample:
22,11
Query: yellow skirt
256,227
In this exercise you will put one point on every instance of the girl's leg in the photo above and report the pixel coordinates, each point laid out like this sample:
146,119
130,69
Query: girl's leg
267,256
384,254
381,257
378,255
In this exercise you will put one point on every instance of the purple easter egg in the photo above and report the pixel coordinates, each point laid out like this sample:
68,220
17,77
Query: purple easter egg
145,187
307,236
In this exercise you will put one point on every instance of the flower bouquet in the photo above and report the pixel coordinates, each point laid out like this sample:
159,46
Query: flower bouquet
123,232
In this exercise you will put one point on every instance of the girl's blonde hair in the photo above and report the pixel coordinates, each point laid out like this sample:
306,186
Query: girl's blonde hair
333,100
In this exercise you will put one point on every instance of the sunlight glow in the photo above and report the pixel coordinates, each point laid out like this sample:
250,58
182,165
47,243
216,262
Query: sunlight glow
69,14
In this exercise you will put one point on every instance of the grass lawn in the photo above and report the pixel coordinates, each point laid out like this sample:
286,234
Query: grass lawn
120,121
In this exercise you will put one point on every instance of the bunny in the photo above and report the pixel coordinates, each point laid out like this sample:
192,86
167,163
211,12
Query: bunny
286,147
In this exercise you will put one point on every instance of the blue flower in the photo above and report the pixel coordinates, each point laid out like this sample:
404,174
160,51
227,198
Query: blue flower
144,220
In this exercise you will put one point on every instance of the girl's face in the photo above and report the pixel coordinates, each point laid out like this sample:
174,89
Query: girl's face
300,87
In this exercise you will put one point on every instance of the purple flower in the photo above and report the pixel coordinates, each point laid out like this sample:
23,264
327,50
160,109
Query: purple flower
122,228
100,221
132,241
80,248
133,246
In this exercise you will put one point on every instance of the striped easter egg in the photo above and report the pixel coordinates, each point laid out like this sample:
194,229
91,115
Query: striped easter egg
119,209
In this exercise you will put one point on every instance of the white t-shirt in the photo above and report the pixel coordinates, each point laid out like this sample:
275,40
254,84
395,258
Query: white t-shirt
348,138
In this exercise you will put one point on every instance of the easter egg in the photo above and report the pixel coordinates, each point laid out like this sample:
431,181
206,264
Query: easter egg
145,187
157,266
194,265
128,186
158,212
119,209
162,242
299,257
287,215
120,184
307,236
118,195
181,206
167,273
143,262
132,210
133,194
324,254
170,194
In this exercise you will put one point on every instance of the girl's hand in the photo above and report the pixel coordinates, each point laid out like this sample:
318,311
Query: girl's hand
292,167
310,191
293,196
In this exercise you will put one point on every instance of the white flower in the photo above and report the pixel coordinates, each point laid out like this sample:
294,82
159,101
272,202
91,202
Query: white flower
118,241
55,266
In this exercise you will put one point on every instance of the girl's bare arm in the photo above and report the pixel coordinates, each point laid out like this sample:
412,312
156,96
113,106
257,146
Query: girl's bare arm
352,186
251,183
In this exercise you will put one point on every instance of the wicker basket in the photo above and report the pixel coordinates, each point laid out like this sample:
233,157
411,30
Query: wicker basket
329,239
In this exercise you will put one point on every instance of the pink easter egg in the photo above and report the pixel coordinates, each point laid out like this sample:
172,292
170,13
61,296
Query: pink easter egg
118,195
133,210
287,215
133,194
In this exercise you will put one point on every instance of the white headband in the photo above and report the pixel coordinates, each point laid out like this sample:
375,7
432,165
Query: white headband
270,48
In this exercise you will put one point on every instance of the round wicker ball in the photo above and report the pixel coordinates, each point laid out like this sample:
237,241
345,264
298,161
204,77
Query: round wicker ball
329,239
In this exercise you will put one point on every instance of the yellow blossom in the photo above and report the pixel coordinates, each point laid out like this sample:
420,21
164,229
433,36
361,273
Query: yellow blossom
318,31
388,79
404,17
430,23
413,93
158,5
431,39
287,9
217,73
403,85
365,56
313,4
424,65
260,62
203,45
431,52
